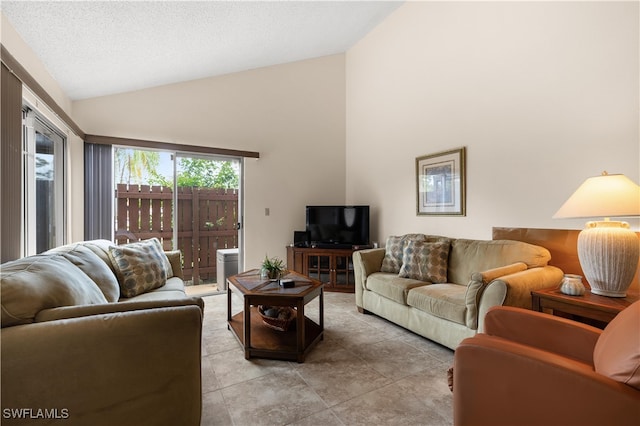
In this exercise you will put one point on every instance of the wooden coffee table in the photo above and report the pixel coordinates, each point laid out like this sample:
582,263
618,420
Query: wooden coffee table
259,340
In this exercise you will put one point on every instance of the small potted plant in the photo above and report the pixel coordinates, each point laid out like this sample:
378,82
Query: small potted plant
272,268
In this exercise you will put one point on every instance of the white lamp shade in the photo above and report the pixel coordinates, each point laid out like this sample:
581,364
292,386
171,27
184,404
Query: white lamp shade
603,196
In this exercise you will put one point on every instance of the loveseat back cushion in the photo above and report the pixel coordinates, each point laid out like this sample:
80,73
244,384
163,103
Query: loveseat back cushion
91,264
617,351
101,249
425,261
469,256
441,300
34,283
140,267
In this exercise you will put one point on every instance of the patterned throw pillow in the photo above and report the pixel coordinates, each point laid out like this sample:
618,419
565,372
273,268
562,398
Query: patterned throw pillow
425,261
140,267
392,261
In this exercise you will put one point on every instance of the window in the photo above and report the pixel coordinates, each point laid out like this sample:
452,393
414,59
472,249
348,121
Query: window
43,184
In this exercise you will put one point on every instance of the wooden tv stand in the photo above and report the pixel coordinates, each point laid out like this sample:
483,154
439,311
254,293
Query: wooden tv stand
331,266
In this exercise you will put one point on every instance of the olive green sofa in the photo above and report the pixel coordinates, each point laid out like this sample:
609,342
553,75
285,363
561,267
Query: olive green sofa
453,282
76,352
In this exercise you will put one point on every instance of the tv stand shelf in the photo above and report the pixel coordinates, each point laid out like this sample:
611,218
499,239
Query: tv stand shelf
331,266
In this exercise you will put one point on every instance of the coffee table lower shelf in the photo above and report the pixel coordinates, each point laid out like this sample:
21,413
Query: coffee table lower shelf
273,344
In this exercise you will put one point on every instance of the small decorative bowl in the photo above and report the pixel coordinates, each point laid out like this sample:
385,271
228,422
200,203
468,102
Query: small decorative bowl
572,285
278,318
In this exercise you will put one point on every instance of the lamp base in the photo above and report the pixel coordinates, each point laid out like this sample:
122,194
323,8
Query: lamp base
608,252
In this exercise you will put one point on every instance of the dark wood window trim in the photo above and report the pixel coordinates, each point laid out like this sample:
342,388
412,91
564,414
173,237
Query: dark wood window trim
140,143
23,75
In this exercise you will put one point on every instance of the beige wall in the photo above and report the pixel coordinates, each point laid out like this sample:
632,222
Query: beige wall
542,94
292,114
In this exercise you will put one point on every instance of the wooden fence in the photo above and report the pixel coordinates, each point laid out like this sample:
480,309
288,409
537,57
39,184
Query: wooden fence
206,220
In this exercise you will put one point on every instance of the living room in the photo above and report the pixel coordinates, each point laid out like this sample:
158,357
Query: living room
543,95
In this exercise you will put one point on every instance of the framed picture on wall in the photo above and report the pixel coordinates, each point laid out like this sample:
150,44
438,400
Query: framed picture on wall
440,184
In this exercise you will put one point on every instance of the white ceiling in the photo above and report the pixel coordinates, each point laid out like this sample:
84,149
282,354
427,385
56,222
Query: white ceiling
96,48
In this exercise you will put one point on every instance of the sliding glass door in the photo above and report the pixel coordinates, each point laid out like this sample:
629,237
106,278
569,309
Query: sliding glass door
189,202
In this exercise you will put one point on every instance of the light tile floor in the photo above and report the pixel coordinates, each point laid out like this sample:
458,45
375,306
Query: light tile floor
366,371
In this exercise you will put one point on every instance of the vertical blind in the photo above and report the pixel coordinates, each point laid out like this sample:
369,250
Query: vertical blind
11,161
98,196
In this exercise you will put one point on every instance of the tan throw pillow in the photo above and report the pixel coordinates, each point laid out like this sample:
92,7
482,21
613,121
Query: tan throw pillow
617,351
140,267
394,248
425,261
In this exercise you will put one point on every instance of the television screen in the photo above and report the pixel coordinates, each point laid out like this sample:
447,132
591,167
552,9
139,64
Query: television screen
338,225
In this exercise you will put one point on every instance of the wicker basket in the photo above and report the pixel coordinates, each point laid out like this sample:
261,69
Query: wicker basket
280,324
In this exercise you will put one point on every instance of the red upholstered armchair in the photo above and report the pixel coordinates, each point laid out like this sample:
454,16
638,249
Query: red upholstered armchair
530,368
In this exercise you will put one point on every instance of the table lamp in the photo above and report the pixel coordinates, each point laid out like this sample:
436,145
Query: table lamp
607,250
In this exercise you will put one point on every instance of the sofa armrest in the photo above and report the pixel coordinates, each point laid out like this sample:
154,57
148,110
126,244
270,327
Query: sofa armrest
368,261
66,312
498,382
124,368
476,286
175,259
520,284
559,335
515,289
365,263
495,273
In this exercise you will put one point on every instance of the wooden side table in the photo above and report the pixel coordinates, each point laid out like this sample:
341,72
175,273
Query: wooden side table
589,308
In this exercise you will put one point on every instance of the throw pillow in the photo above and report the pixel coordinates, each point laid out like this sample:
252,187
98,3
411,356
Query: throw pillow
392,255
425,261
140,267
617,351
394,248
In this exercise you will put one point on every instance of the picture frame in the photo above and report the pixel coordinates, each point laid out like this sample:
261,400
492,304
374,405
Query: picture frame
440,183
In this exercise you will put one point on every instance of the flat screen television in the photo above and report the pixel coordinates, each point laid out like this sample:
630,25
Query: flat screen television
338,226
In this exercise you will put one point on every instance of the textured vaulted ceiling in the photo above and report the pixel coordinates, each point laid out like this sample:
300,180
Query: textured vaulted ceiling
95,48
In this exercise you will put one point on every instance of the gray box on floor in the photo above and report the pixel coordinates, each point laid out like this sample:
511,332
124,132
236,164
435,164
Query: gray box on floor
226,265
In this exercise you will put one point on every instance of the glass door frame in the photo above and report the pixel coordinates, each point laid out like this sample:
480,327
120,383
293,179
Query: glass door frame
34,122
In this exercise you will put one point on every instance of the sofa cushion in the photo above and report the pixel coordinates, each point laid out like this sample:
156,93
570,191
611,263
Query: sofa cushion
441,300
469,256
391,286
425,261
32,284
93,265
617,351
140,266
